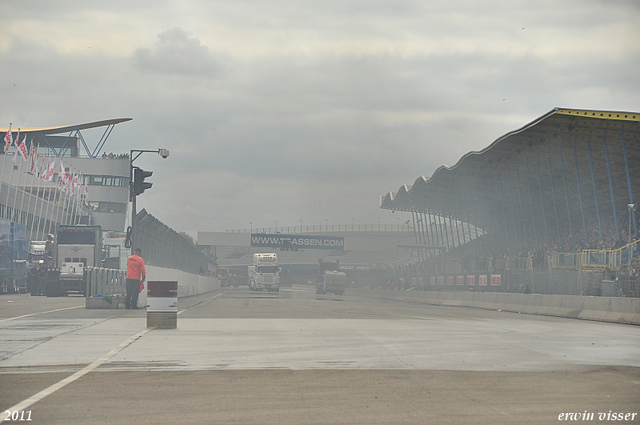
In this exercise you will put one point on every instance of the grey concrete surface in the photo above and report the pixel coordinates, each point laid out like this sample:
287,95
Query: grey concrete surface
242,357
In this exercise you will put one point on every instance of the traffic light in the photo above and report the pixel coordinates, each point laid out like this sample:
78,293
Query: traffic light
139,185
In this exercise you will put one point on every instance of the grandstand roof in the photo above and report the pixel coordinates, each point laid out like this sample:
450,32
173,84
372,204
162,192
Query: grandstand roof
566,160
74,129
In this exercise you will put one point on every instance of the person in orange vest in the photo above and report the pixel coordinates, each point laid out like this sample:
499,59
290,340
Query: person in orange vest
136,274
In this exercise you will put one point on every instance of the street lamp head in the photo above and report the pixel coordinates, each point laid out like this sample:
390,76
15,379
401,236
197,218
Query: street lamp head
632,207
164,153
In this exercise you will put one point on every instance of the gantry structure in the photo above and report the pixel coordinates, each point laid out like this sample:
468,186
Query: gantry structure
567,181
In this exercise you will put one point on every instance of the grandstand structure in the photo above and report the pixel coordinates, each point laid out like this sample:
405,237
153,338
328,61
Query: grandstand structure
558,193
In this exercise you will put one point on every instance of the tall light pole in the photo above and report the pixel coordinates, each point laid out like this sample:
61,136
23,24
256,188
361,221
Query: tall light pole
632,208
133,191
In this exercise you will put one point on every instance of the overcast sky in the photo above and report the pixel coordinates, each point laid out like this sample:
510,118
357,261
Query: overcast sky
289,111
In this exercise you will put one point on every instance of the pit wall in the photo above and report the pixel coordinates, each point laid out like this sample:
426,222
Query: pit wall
188,284
604,309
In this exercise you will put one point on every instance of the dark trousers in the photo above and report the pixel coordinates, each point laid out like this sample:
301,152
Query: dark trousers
133,289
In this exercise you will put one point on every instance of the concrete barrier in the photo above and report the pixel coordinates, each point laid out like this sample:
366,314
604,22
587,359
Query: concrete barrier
595,308
188,284
605,309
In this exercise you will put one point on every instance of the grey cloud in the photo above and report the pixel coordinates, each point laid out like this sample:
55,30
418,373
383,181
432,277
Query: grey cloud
177,53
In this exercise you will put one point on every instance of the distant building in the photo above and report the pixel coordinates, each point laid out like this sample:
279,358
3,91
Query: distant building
41,205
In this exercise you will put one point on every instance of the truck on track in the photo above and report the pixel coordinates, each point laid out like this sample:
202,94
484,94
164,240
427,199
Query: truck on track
329,278
77,249
227,278
264,273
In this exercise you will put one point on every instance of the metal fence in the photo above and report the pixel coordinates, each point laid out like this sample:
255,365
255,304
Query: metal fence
106,281
164,247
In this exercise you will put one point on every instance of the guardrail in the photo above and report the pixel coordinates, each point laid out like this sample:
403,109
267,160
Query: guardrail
106,281
564,260
608,258
604,309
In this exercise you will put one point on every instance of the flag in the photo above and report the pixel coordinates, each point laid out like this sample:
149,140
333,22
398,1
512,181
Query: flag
43,169
61,174
34,159
66,185
51,169
74,184
15,152
8,140
22,149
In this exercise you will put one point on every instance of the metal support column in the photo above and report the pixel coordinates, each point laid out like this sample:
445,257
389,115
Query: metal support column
626,167
493,233
555,204
513,213
533,215
584,221
504,215
544,214
595,191
566,198
613,200
524,222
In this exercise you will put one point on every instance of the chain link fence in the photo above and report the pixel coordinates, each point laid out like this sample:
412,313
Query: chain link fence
163,247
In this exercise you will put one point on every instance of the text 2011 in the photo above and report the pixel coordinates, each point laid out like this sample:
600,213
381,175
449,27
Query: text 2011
17,415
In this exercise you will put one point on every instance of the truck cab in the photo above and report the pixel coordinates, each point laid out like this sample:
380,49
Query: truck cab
77,249
330,279
264,273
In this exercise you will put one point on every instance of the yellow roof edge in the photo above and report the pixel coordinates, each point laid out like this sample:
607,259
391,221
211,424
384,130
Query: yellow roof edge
603,115
67,128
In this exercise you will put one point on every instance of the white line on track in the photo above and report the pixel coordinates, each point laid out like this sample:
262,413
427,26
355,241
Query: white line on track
23,405
206,299
42,312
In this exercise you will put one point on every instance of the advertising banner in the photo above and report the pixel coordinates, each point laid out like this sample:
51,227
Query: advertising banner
495,280
460,280
482,280
297,241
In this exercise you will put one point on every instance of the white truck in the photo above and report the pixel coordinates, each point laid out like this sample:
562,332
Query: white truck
264,273
78,248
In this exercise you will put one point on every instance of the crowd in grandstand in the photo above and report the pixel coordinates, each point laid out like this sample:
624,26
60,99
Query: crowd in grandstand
491,254
115,156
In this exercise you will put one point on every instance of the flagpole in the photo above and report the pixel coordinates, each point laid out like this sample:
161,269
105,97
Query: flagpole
67,218
34,170
8,142
59,193
31,177
13,208
41,198
15,196
26,216
76,193
49,195
49,203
